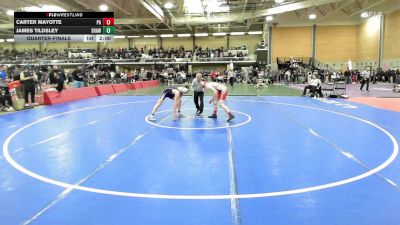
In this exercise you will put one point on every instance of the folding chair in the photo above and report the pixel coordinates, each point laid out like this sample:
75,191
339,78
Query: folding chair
327,89
340,88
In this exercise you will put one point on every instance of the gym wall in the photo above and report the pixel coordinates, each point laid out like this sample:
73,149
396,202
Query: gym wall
392,36
118,43
82,45
336,43
368,40
291,41
6,45
250,41
142,42
208,68
186,42
27,46
211,42
55,45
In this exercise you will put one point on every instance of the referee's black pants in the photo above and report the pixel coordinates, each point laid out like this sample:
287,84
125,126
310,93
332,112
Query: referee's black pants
197,96
365,80
231,81
29,89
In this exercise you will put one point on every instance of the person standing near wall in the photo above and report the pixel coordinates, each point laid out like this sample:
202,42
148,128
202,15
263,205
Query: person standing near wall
213,76
78,75
287,77
29,82
347,75
365,79
231,77
198,94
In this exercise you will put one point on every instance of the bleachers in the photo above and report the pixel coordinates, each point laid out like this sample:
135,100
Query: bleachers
120,55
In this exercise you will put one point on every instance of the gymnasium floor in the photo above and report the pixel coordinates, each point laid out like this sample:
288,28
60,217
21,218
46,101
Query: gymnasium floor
282,161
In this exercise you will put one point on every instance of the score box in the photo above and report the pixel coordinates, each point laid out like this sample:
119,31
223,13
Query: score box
108,30
108,21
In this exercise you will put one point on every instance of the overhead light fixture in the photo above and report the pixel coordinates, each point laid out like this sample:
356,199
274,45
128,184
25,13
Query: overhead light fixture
166,35
279,1
237,33
134,36
201,34
364,15
103,7
10,40
255,32
312,16
2,40
219,34
149,36
205,6
169,5
119,36
184,35
43,8
10,12
269,18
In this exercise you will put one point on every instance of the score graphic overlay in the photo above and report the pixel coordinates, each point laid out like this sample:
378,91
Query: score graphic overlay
64,26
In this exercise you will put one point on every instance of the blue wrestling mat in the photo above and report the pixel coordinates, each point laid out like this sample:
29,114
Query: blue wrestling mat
281,161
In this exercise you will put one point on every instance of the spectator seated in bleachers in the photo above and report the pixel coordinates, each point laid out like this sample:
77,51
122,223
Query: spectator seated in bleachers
132,54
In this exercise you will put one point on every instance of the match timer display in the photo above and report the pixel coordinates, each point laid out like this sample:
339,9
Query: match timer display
63,26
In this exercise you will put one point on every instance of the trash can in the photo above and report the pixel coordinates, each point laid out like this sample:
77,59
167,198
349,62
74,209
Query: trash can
19,102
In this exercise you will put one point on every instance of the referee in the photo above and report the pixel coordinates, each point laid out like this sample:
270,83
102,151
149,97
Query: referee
365,75
198,93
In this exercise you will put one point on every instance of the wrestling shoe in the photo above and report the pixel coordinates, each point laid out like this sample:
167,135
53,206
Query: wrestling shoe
152,118
213,116
230,117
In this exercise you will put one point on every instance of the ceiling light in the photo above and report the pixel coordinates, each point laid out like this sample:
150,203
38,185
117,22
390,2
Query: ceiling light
269,18
219,34
279,1
237,33
201,34
103,7
43,8
184,35
119,36
312,16
10,40
149,36
205,6
134,36
2,40
255,32
168,5
364,14
166,35
10,12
